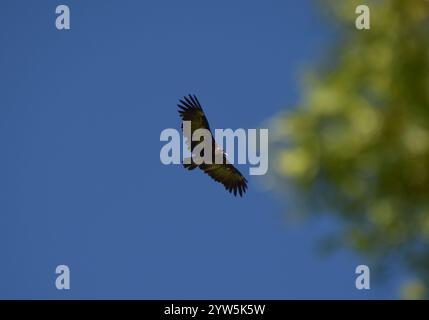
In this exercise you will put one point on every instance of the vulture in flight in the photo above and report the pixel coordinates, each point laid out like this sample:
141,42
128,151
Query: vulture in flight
190,110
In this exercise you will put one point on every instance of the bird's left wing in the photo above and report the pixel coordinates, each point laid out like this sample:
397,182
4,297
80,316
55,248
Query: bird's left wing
228,175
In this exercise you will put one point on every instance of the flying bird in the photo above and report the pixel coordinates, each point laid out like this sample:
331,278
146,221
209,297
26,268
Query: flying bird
190,110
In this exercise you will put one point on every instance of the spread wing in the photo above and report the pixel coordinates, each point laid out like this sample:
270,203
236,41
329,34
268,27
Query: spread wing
228,175
190,110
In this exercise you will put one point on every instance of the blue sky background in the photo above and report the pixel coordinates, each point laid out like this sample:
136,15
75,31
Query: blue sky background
81,182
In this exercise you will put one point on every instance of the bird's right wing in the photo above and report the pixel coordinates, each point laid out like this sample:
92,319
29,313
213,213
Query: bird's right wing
190,110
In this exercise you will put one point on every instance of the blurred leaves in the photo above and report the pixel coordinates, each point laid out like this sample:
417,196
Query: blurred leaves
358,144
413,290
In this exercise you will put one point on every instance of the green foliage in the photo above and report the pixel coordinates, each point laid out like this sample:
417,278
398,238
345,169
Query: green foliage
358,144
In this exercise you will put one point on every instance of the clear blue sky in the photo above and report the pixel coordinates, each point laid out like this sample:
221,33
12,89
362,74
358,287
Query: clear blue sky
81,182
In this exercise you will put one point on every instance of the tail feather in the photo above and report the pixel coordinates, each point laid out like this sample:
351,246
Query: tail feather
189,164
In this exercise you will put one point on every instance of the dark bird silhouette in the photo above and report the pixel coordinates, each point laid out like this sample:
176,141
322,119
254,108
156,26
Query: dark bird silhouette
190,110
